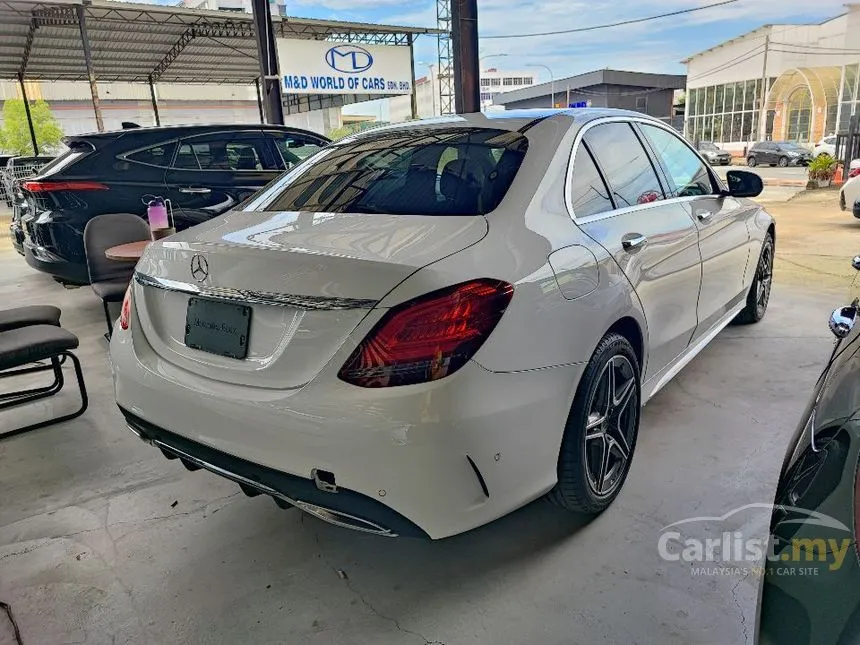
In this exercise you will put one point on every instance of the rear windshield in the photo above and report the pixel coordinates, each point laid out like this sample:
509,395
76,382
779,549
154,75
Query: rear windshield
77,151
455,171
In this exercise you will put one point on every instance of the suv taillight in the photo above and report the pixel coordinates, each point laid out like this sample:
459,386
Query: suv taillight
853,172
52,186
125,312
429,337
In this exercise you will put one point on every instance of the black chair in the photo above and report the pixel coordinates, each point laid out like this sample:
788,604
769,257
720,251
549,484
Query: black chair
26,316
25,345
109,278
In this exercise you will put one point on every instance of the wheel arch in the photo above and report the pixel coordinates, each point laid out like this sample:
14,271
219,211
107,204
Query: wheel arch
629,328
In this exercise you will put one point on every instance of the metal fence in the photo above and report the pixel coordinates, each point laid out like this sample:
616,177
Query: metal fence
16,169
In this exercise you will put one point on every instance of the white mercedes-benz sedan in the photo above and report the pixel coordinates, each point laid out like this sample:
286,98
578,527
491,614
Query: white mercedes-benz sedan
424,327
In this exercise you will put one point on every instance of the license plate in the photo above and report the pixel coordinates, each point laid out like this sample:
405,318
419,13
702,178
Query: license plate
217,327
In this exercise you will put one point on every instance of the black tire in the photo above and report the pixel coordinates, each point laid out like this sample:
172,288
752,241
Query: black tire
751,162
783,162
759,293
579,487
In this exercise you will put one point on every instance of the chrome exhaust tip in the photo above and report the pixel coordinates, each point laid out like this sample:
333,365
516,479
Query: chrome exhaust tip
343,520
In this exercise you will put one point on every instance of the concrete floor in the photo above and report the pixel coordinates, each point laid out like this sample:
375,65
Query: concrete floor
104,541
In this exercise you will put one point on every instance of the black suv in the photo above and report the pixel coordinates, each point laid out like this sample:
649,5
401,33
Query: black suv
778,153
203,170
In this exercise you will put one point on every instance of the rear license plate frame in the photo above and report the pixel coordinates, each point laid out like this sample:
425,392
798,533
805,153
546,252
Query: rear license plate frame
217,327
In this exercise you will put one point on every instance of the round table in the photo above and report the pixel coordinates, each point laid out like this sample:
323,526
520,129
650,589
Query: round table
127,252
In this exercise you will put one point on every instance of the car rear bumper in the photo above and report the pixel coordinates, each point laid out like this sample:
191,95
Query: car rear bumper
443,457
48,262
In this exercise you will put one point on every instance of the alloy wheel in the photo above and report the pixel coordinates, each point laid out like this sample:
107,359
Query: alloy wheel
764,279
611,425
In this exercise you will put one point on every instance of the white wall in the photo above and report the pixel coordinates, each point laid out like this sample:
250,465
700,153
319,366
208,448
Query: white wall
733,62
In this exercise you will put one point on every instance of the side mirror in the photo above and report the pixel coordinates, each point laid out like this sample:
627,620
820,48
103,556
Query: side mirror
856,262
744,184
842,321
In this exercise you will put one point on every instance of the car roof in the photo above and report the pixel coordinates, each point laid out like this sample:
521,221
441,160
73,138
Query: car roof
512,120
183,129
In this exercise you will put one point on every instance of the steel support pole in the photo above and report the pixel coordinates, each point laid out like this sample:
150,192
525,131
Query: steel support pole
464,37
154,100
88,60
257,83
273,107
29,116
414,95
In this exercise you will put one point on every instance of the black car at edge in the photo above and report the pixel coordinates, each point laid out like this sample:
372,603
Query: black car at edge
810,587
203,171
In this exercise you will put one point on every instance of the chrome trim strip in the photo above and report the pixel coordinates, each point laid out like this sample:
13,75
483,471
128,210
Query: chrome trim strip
320,512
248,296
568,198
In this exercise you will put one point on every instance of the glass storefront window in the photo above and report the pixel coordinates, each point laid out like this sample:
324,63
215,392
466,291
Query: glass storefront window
739,97
737,129
727,128
707,128
718,127
746,127
691,102
749,97
718,101
709,100
849,85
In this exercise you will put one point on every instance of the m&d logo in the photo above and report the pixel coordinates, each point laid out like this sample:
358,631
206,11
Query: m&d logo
350,59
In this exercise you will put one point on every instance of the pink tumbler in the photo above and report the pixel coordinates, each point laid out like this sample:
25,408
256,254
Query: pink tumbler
156,213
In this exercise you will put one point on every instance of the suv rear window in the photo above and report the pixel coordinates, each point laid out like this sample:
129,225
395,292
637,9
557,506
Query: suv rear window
452,171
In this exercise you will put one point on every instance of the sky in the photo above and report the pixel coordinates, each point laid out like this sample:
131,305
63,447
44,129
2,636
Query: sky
656,46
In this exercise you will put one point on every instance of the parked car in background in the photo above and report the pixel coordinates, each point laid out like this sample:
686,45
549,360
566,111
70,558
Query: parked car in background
367,338
202,170
16,170
849,196
7,199
714,155
810,586
778,153
827,146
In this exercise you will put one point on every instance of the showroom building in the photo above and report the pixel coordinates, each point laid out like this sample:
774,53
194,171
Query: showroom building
806,74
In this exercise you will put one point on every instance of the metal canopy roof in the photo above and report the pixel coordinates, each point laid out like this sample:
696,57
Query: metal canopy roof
151,43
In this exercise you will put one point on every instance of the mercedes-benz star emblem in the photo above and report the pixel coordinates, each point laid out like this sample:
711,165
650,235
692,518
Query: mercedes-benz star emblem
199,268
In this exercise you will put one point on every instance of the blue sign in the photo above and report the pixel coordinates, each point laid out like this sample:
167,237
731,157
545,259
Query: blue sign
579,104
349,59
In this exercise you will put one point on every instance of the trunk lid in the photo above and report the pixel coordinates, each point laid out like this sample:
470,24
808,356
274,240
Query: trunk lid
309,279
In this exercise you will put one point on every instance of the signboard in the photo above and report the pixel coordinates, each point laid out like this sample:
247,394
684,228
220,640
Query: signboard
580,104
325,67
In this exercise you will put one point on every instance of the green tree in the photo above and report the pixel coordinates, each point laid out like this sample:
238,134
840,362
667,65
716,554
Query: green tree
15,133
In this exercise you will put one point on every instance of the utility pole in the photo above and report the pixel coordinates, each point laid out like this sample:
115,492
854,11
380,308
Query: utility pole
270,81
464,38
762,119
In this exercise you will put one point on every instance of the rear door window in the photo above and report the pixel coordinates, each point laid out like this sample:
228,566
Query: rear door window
588,193
158,155
450,171
230,151
625,164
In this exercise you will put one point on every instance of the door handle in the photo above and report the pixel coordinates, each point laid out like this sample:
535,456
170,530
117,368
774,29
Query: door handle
195,190
704,216
633,241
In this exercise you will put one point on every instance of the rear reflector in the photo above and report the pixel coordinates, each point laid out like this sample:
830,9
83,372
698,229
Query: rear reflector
125,312
429,337
52,186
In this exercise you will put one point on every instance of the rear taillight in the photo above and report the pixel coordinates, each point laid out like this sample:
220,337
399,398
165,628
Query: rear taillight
53,186
125,312
429,337
854,172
